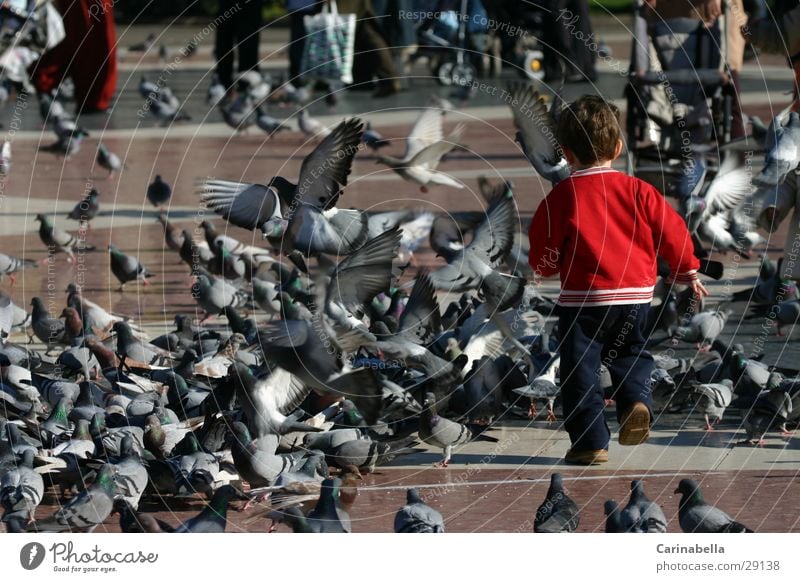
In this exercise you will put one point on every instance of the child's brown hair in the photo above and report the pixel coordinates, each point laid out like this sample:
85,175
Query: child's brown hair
589,128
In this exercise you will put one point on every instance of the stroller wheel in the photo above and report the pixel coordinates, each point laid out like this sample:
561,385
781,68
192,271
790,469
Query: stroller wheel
463,74
533,64
444,73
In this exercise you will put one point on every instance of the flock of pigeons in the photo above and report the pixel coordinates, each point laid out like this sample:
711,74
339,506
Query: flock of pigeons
326,360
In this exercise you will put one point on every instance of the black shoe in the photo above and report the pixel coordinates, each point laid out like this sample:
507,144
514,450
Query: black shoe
386,89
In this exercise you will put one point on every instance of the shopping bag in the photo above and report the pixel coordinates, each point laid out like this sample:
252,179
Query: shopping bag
330,44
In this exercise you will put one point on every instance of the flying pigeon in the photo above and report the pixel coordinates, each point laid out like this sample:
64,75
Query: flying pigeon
425,147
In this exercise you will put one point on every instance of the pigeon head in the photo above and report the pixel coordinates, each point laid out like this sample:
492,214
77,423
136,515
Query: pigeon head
556,482
610,507
690,491
42,218
430,400
413,496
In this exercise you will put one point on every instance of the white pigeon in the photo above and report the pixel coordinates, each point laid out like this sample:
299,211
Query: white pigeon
424,149
5,158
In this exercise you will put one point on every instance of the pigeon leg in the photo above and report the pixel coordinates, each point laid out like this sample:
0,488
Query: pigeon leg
13,278
446,459
532,412
708,425
423,189
785,431
551,415
146,283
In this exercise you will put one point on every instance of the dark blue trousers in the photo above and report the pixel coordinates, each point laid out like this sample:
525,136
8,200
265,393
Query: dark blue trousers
613,336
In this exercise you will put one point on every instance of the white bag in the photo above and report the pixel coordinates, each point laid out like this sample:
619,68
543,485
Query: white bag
330,44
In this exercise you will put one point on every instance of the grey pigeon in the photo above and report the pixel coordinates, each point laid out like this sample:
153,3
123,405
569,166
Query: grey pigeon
269,124
21,490
66,145
10,265
173,237
441,432
475,266
108,160
328,516
613,517
696,516
159,192
214,517
558,513
85,511
214,294
59,241
373,139
417,517
703,328
127,268
642,515
85,210
49,330
131,473
783,149
300,217
783,314
536,133
712,400
130,347
216,92
257,466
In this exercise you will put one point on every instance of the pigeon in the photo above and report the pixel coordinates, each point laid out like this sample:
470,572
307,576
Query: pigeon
159,192
240,114
300,217
127,268
558,513
131,475
216,92
417,517
613,517
328,516
166,112
214,517
269,124
311,127
536,133
703,328
5,158
372,139
59,241
696,516
145,45
85,210
50,331
259,467
9,266
85,511
782,149
443,433
712,400
108,160
173,237
475,265
67,144
130,521
21,491
425,147
770,288
642,515
214,295
782,314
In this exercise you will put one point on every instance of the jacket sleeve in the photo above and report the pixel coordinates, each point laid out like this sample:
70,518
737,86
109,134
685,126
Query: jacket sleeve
546,236
671,237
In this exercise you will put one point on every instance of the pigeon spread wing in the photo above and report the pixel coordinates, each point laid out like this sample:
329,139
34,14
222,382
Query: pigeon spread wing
430,155
324,172
244,205
421,320
426,131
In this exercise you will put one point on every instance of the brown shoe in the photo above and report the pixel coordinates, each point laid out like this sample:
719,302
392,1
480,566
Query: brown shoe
635,425
596,457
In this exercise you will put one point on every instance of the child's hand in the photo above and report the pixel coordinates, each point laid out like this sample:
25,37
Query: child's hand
698,289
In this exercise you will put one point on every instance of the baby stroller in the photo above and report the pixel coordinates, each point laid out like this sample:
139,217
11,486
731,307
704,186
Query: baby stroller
446,38
678,95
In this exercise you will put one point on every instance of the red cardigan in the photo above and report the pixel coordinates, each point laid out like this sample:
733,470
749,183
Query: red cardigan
601,230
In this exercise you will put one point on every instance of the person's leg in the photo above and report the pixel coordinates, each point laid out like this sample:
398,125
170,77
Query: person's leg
368,39
297,44
629,363
223,44
95,68
580,42
582,339
248,34
737,121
